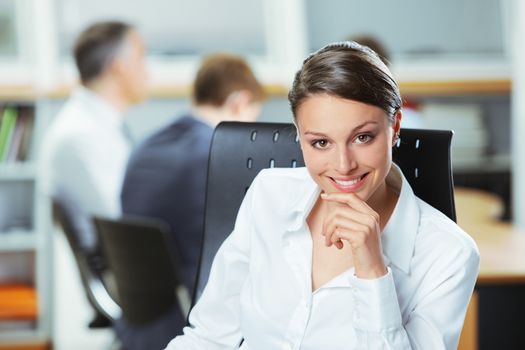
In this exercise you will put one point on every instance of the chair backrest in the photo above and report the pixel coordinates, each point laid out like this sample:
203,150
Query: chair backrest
143,267
240,150
91,263
424,157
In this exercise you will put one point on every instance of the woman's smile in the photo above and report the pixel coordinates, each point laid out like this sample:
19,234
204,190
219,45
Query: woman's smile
348,184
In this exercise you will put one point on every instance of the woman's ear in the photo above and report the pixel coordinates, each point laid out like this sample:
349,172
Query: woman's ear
396,126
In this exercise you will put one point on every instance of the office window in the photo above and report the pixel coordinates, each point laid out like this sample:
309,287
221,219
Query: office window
8,33
413,28
174,27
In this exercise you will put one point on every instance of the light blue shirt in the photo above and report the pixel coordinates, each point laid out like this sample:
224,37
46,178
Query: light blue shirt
85,153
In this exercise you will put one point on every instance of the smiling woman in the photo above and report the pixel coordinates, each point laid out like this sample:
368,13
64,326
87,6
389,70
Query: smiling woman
347,129
340,254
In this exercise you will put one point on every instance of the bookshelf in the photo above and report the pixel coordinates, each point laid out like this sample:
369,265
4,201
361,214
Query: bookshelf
24,320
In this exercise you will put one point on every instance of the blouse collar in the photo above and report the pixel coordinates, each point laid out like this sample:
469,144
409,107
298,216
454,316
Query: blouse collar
399,235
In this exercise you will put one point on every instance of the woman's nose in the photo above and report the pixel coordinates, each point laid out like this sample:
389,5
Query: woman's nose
346,162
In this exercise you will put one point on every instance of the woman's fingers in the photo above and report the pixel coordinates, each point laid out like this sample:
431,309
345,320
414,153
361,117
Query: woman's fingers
339,226
342,216
352,200
358,237
354,221
347,219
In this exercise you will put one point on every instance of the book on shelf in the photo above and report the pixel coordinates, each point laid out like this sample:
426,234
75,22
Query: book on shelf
18,302
16,132
6,130
22,153
16,140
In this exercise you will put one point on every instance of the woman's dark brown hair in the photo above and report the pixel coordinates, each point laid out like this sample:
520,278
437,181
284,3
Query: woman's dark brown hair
350,71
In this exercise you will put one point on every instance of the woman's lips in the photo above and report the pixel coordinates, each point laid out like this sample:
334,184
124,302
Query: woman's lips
348,185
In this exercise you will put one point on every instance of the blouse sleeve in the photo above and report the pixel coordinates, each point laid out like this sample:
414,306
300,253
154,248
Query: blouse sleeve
214,320
436,320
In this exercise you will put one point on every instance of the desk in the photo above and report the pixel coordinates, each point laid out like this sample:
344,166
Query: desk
501,248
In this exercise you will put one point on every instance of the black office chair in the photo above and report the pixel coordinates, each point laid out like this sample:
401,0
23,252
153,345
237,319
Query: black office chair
150,293
240,150
82,239
424,157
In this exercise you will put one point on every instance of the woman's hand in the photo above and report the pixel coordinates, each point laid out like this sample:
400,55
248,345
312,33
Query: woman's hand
352,220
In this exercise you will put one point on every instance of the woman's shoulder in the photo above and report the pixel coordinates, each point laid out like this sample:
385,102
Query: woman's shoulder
443,234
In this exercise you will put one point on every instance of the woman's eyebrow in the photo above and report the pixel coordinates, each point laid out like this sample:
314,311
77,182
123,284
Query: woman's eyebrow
357,128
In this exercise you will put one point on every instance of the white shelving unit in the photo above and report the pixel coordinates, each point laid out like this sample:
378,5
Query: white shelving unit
17,171
18,241
24,256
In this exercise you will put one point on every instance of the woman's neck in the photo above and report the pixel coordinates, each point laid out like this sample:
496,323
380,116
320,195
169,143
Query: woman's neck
383,201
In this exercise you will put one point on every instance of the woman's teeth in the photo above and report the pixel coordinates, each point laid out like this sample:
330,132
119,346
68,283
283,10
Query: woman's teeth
347,183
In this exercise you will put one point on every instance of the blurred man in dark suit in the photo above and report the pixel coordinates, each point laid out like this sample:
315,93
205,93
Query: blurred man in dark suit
166,174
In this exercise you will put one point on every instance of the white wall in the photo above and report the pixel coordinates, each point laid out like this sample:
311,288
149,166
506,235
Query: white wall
518,112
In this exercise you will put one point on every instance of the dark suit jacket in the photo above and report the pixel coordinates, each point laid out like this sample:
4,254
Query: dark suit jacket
166,179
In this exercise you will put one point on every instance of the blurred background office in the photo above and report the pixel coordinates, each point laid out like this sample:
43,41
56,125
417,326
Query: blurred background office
460,62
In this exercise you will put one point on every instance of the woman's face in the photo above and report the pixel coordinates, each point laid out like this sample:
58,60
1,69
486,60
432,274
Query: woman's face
347,145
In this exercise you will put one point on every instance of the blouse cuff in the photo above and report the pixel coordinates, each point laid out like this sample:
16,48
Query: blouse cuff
376,305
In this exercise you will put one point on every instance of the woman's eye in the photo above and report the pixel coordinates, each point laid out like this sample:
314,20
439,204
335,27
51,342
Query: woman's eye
363,138
320,144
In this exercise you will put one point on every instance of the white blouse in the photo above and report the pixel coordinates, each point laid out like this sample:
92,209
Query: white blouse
260,287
